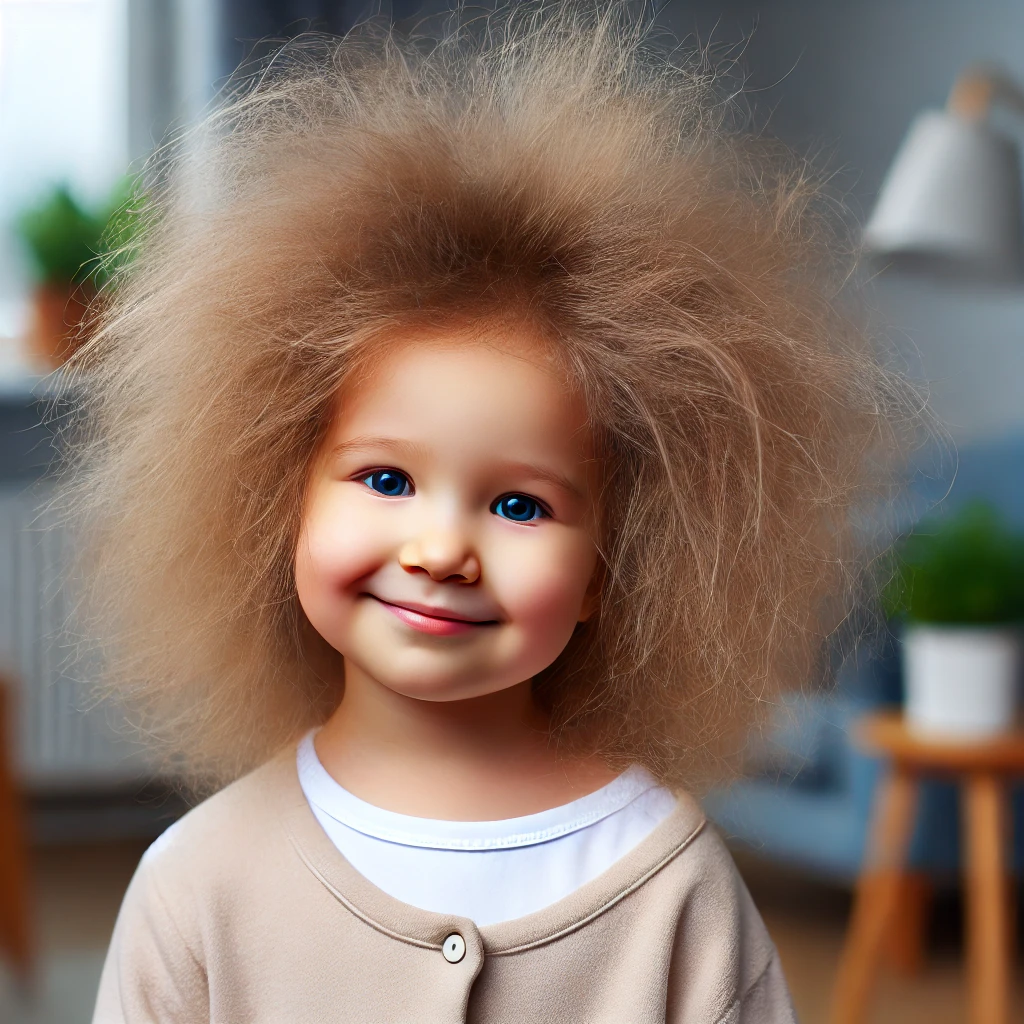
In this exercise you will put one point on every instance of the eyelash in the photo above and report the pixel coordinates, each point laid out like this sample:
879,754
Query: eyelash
540,511
407,488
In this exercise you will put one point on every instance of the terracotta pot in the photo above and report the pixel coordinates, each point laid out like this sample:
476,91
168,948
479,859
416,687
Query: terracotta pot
57,325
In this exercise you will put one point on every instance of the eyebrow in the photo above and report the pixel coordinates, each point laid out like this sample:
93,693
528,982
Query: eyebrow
551,476
412,448
367,442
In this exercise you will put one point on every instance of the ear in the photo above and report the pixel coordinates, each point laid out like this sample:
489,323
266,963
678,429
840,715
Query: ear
592,597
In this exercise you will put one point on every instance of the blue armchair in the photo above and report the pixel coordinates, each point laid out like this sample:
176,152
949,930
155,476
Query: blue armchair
811,806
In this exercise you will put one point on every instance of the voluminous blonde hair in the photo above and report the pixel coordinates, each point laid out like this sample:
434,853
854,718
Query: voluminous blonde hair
552,169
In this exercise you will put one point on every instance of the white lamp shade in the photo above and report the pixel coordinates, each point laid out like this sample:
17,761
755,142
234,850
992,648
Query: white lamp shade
951,202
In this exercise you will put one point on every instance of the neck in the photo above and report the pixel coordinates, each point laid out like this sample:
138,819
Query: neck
488,757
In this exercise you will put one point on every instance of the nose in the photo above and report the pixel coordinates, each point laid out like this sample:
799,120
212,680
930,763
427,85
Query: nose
446,556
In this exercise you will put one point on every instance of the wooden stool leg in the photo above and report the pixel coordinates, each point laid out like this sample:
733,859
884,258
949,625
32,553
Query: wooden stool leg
876,896
905,945
15,931
988,907
1012,923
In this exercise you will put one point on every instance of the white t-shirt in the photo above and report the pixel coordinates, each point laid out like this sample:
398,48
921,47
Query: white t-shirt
488,871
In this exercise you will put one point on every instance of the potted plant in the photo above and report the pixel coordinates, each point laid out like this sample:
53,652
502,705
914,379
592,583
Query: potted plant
69,249
958,585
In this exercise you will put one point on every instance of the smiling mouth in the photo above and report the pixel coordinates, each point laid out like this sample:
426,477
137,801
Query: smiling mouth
434,621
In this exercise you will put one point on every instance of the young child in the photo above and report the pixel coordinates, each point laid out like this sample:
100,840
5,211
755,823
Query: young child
471,444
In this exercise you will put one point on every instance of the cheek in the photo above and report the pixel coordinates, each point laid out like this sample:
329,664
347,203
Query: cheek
339,544
544,585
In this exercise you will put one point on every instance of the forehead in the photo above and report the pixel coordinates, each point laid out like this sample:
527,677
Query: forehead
465,392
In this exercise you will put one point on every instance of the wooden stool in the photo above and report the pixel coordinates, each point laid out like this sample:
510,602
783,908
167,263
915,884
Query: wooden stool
984,767
15,927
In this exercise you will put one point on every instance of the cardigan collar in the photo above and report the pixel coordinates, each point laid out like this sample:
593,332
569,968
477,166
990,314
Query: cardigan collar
429,929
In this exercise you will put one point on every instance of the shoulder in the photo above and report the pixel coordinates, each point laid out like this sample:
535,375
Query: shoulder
192,897
723,956
691,857
237,826
703,862
711,892
230,847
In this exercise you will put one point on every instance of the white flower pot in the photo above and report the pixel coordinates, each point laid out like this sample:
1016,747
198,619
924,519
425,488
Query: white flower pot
960,681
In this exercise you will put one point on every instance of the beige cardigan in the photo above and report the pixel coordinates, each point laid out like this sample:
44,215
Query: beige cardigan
246,912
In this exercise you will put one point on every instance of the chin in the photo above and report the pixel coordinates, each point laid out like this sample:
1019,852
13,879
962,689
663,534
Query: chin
442,687
424,679
441,694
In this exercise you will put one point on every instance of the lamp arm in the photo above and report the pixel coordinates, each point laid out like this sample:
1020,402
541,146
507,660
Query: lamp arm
977,89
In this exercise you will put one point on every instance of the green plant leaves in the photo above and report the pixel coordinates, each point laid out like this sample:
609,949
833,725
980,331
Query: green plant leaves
967,569
68,244
61,237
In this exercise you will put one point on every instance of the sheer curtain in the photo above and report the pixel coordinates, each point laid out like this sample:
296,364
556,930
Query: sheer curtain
62,113
87,87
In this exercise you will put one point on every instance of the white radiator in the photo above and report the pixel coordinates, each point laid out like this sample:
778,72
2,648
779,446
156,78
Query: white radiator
61,743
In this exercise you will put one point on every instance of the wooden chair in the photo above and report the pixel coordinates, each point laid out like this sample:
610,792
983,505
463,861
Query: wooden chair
15,918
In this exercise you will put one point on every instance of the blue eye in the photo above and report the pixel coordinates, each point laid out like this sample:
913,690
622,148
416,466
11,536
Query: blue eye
519,508
388,482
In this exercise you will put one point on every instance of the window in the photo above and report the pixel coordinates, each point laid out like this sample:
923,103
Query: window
63,114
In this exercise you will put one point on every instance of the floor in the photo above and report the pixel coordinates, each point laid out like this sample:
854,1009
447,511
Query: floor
807,922
77,893
78,890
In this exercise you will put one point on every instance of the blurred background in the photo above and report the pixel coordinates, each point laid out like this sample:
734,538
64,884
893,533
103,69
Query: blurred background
919,719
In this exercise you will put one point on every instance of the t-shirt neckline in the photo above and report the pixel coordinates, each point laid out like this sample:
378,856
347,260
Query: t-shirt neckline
427,929
330,797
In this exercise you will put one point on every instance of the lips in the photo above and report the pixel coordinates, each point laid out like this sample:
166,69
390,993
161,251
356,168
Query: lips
433,620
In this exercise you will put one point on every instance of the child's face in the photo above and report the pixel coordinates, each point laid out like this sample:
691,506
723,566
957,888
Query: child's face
447,541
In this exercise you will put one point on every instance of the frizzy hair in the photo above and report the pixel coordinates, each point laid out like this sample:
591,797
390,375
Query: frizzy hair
553,172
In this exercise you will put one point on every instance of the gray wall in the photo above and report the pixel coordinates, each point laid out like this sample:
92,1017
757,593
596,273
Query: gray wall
845,79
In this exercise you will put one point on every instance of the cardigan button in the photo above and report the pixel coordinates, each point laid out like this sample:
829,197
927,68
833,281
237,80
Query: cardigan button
454,948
